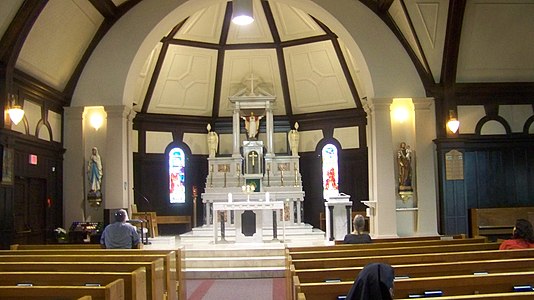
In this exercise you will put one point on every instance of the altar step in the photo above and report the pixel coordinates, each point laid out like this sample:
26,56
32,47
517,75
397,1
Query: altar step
230,261
205,259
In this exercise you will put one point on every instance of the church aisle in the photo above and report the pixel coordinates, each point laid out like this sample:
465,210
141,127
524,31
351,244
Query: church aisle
235,289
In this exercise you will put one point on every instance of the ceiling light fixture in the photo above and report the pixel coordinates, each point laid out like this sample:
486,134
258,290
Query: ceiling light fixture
15,111
453,124
242,12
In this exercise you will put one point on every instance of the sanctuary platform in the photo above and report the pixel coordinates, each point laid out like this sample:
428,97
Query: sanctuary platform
205,259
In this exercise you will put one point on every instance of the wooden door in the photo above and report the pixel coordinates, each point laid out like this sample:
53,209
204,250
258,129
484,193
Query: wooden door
29,213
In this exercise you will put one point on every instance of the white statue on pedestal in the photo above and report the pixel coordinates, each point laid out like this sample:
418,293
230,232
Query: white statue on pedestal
252,124
293,139
213,141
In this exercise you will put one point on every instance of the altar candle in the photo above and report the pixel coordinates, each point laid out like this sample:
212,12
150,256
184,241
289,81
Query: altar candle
229,197
267,196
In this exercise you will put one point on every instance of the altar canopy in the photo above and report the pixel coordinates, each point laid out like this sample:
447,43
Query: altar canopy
253,174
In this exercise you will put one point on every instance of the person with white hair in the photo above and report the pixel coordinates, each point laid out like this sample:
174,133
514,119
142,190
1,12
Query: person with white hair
120,234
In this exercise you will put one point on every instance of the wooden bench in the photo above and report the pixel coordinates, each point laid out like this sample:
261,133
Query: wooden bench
493,296
394,251
112,291
356,249
179,261
498,222
134,282
156,277
175,220
391,244
448,285
423,270
410,258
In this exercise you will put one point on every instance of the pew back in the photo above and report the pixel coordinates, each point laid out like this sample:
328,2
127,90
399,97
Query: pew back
154,270
173,272
112,291
410,258
134,282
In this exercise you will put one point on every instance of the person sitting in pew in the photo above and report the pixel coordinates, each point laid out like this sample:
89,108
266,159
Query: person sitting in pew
120,235
375,282
357,236
522,236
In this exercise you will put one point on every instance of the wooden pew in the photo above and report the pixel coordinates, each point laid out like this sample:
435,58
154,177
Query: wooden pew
399,242
154,270
449,285
54,246
112,291
134,282
180,259
315,263
423,270
172,266
399,248
497,221
410,258
493,296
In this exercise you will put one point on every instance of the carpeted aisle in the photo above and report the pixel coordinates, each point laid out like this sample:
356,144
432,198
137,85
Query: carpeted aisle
236,289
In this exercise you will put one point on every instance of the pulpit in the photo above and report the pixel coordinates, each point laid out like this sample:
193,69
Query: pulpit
338,212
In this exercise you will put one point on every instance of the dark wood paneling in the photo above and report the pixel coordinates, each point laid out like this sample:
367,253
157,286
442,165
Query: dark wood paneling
498,172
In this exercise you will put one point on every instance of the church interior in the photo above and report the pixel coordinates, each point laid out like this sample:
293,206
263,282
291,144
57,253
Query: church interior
417,114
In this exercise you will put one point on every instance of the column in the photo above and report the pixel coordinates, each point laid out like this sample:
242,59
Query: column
425,171
235,131
74,166
381,168
129,154
270,129
116,158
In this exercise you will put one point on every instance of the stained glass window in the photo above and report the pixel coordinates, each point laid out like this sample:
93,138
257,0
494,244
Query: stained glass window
177,175
330,171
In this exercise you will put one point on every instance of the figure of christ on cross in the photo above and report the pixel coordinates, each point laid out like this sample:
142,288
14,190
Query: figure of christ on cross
252,156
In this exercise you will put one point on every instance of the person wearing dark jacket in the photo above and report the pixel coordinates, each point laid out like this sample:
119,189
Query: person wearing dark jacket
357,236
375,282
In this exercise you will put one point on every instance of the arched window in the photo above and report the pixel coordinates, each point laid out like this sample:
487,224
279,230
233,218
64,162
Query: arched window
177,175
330,171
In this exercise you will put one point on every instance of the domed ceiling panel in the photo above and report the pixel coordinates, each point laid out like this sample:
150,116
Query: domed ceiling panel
8,10
429,19
496,43
239,64
316,80
256,32
185,83
143,79
401,19
58,40
204,26
293,23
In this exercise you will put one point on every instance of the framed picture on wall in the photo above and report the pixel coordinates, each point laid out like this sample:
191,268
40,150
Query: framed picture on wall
7,165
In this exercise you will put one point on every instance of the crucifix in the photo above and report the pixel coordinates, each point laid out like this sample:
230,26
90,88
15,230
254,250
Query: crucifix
252,156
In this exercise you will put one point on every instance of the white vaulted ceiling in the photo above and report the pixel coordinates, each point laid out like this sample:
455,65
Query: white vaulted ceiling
206,63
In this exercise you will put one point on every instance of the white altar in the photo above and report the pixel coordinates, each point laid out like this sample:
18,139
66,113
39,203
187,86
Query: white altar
258,212
253,170
338,213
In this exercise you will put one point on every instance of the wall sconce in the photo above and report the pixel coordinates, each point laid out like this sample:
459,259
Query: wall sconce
96,120
453,124
15,111
401,114
242,12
